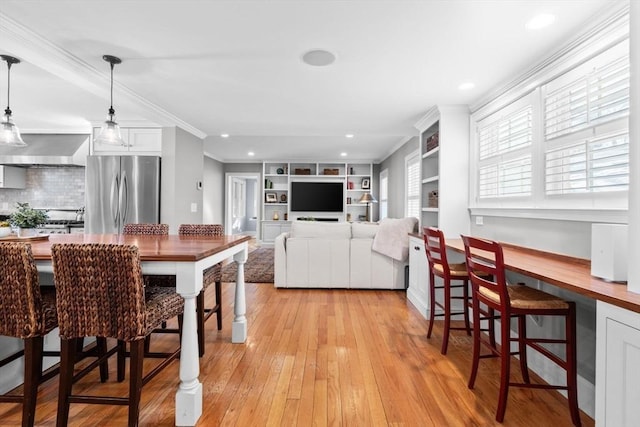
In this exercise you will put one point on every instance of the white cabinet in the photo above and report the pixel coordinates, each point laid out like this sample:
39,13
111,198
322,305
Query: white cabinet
444,147
272,229
418,291
617,373
13,177
144,141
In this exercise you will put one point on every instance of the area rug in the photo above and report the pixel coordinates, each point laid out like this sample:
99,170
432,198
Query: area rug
257,269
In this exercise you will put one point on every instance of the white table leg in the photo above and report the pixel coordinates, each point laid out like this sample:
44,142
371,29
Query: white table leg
239,326
189,395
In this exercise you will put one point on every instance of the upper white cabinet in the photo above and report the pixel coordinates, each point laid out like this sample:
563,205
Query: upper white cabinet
444,147
13,177
141,141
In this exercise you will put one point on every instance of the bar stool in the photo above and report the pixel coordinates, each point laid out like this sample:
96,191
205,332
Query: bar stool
517,301
212,275
435,248
100,292
27,312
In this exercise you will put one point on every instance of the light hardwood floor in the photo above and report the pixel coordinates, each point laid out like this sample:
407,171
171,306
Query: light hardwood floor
323,357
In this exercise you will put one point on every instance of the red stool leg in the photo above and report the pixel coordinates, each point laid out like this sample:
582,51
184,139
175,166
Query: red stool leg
432,303
505,365
447,316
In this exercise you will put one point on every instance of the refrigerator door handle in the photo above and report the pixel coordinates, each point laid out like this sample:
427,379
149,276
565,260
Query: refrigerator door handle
124,201
115,210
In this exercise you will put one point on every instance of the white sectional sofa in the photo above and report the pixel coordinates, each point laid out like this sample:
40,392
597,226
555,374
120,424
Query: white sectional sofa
338,255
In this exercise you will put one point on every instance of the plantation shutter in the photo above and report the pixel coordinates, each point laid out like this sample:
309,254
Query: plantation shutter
413,186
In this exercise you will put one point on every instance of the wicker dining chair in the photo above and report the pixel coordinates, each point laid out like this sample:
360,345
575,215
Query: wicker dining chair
27,312
517,301
212,275
100,292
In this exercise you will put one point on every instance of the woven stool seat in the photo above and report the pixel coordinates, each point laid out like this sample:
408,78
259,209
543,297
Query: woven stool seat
27,312
101,293
485,263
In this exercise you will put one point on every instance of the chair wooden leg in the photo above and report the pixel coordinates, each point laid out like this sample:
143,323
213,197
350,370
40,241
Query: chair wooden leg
135,380
492,327
122,353
476,343
505,365
218,285
522,348
32,375
572,364
200,319
101,347
447,316
67,357
432,303
465,305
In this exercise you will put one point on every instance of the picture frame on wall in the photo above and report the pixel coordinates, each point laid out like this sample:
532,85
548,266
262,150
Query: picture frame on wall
366,183
271,197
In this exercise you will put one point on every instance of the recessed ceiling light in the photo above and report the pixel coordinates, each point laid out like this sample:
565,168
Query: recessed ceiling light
349,135
540,21
318,57
251,153
466,86
343,154
224,135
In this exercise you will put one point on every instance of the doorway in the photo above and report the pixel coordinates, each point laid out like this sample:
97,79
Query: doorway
242,203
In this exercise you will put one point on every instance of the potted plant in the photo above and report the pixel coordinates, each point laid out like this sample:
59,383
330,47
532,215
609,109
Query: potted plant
27,219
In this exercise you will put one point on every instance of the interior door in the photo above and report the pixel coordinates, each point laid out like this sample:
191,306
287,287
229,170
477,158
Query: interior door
238,205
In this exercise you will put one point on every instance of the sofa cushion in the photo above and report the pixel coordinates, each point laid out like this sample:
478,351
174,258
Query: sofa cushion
392,238
325,230
363,230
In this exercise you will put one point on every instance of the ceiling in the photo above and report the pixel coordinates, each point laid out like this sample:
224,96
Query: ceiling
235,67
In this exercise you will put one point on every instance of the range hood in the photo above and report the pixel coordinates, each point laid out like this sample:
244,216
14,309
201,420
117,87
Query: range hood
48,150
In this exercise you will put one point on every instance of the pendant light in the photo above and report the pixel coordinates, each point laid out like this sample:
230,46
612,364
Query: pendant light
110,131
9,133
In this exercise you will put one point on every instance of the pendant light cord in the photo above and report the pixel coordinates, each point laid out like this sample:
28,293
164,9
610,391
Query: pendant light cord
111,110
7,111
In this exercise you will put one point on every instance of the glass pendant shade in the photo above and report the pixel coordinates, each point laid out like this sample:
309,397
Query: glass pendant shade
110,133
9,133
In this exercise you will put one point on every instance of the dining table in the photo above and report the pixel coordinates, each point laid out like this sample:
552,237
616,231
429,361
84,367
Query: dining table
186,257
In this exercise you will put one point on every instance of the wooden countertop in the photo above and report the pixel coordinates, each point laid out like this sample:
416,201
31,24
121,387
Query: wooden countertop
152,248
566,272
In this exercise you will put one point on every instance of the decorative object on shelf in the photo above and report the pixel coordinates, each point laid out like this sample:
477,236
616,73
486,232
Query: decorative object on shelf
5,228
270,198
433,199
276,215
351,171
331,171
268,184
348,200
366,183
433,141
367,198
110,131
27,219
283,198
348,217
280,171
302,171
10,134
286,216
349,185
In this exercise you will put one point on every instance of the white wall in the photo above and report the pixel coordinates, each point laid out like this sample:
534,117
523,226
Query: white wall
395,164
182,169
213,192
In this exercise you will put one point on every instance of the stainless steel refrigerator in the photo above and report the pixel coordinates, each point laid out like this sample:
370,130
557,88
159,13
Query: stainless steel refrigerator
121,190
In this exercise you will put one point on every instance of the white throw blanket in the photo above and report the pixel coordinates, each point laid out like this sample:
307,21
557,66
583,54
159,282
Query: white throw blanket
392,238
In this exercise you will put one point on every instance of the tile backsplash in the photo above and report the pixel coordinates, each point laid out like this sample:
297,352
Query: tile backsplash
48,187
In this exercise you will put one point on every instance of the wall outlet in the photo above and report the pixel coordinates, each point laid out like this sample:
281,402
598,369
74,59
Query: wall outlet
194,207
479,220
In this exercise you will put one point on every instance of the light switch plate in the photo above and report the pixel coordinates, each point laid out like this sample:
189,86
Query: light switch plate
194,207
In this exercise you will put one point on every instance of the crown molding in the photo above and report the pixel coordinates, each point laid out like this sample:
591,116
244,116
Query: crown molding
37,50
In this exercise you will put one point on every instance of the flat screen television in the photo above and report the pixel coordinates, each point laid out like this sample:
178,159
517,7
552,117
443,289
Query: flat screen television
317,196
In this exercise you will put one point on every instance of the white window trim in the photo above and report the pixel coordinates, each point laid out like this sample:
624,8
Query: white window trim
384,175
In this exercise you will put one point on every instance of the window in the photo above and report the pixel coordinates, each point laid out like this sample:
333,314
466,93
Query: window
562,145
504,149
384,198
412,181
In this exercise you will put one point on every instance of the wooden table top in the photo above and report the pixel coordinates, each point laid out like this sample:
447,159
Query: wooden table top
152,248
570,273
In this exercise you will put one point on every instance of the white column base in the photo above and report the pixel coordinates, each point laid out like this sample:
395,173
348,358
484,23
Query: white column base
189,406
